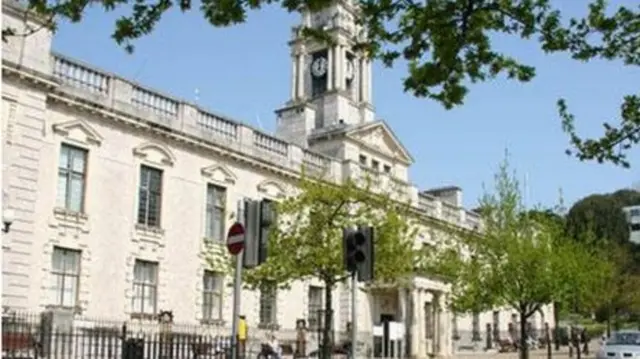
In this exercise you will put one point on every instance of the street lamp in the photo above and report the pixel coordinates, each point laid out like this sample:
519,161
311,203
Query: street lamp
7,219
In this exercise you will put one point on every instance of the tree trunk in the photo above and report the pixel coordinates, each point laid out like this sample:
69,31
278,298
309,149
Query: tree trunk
524,349
608,320
326,348
556,325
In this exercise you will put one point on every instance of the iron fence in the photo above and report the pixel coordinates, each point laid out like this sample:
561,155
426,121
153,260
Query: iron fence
63,335
26,336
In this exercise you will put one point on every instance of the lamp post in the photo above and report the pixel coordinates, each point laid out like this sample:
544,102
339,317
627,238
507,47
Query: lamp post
7,219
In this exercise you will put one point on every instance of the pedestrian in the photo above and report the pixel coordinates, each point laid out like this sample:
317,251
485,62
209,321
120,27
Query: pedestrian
275,346
242,336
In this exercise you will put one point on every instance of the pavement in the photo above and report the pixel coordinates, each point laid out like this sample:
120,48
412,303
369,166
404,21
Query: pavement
563,353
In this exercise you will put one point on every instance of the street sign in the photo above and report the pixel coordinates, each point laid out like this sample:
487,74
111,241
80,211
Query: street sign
235,238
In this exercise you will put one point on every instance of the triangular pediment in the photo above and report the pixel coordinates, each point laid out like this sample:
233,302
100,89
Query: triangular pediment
79,131
271,188
219,173
155,153
379,137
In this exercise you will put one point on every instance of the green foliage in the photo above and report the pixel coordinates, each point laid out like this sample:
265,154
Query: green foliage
307,242
599,216
598,221
218,257
445,42
618,289
519,260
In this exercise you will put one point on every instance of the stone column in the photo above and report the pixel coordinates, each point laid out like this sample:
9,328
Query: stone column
360,79
420,337
300,77
415,324
294,75
339,77
447,318
437,316
330,65
367,88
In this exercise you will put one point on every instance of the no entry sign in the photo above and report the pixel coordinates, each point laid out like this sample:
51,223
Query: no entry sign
235,238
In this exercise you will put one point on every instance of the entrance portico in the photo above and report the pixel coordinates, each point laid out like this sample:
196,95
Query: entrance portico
428,319
413,321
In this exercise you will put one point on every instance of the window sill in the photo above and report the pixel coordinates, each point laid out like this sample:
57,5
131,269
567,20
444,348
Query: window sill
208,241
63,217
144,316
213,322
149,229
68,214
269,326
149,234
64,309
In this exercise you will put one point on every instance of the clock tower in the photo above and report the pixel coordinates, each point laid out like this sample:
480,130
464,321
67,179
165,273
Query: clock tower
330,82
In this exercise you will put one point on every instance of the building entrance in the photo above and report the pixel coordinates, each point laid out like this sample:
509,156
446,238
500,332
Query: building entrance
388,337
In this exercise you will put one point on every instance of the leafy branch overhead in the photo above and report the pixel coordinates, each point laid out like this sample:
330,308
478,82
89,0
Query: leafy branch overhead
447,45
307,241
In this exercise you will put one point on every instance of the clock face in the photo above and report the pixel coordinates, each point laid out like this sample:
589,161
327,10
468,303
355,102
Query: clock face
350,70
319,67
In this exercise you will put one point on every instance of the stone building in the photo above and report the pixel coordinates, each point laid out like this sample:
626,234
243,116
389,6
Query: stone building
120,191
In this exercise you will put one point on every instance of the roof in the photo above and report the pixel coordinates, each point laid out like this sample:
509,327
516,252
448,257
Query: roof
362,133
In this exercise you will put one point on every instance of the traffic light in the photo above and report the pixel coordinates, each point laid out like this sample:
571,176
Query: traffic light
358,252
267,219
259,216
250,254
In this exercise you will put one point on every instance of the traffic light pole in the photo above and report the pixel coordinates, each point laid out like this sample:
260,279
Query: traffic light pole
354,314
237,291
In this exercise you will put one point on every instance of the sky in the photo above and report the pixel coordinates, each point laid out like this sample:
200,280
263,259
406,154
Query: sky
244,72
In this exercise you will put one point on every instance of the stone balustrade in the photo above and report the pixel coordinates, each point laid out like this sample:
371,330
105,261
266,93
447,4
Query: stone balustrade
112,92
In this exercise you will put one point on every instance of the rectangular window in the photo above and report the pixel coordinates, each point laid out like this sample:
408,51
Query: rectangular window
150,196
215,216
315,307
387,169
145,287
375,165
71,178
363,159
212,287
65,273
268,310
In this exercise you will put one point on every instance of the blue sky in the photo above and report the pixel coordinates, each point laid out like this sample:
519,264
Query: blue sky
244,72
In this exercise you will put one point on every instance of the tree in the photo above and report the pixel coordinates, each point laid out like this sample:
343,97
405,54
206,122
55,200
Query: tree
598,220
307,242
601,217
600,214
551,216
619,291
518,260
446,43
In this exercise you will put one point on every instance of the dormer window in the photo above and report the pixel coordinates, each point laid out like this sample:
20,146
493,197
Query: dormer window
375,165
363,160
387,169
